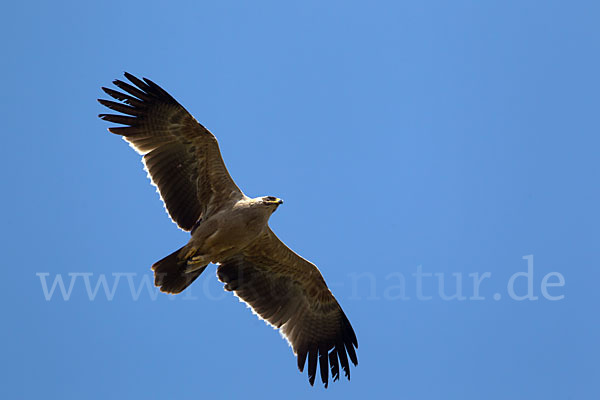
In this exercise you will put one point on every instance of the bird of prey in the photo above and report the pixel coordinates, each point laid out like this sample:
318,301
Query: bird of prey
229,229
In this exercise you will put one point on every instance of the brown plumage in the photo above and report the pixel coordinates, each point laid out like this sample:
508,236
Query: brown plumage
230,229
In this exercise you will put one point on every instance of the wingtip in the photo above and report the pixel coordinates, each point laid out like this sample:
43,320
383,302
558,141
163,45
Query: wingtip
131,78
301,356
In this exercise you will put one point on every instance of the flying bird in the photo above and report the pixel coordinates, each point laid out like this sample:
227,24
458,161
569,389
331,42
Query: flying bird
229,229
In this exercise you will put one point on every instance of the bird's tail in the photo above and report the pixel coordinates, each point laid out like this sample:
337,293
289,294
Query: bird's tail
170,273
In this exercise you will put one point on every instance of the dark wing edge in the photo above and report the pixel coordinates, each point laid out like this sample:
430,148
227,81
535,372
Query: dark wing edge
289,293
182,157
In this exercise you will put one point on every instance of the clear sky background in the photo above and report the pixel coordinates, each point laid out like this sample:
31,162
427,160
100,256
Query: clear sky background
451,138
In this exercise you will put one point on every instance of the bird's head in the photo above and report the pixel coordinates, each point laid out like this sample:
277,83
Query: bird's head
271,202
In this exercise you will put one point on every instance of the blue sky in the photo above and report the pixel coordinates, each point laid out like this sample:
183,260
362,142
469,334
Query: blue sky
406,138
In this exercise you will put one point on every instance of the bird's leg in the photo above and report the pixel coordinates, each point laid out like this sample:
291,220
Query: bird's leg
189,253
195,263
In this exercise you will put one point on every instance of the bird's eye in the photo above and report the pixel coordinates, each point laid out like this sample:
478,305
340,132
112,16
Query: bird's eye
270,198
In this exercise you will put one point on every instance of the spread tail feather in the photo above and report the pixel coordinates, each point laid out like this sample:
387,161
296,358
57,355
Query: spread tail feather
170,275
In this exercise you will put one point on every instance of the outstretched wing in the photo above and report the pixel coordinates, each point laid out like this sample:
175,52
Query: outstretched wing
289,293
181,156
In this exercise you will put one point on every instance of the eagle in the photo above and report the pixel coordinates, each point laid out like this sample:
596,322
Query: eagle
228,229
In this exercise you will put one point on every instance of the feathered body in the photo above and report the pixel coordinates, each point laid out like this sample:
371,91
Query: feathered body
229,229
